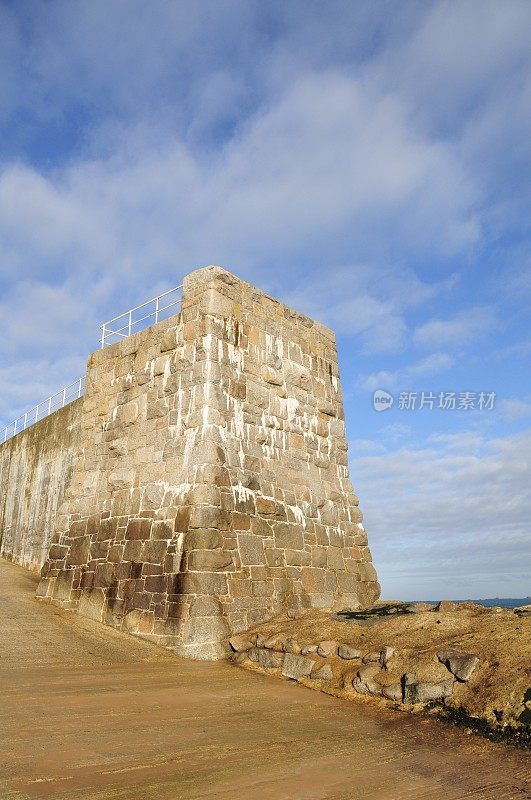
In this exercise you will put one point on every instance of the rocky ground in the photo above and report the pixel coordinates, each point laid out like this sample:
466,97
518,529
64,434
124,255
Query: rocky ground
469,663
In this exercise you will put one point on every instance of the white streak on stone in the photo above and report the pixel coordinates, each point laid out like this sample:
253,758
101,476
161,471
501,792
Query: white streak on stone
235,357
179,404
293,405
189,446
179,547
237,422
298,514
206,394
167,372
176,490
241,492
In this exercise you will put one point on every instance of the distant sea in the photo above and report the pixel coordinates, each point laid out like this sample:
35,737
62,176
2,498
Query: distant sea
502,602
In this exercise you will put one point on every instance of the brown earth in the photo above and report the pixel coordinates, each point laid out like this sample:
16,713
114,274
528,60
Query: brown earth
88,712
499,638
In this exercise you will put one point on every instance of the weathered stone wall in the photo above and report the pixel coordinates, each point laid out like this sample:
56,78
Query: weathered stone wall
35,468
212,487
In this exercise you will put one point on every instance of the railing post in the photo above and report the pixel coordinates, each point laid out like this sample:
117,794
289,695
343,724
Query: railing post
32,416
105,333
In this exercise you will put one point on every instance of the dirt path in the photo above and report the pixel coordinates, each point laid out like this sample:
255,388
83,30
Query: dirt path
87,712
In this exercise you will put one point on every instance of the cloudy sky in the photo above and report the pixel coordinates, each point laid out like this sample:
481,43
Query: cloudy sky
367,162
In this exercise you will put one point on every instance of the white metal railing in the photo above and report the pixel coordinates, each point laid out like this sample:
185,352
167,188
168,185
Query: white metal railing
159,305
52,403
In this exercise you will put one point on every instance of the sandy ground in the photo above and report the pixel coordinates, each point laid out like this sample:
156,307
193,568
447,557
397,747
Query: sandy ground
87,712
500,639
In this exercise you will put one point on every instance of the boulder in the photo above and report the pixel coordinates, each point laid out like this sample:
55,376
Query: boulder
309,649
239,657
348,678
462,665
348,652
423,692
324,673
386,653
365,682
240,643
371,657
296,667
326,648
393,692
292,646
269,659
274,643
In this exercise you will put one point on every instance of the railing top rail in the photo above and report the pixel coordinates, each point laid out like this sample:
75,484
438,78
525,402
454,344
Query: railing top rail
54,402
107,333
135,321
51,397
130,310
64,396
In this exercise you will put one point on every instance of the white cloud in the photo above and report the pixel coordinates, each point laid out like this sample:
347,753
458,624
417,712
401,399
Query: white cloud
450,516
38,318
459,331
395,432
289,185
289,174
431,365
28,382
366,446
386,379
518,349
514,408
459,54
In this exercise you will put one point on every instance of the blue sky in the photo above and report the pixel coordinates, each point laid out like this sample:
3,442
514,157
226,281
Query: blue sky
368,163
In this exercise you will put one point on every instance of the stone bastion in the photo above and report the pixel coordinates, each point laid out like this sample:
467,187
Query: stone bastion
208,485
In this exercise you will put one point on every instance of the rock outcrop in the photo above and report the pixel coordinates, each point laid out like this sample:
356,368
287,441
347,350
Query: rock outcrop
460,660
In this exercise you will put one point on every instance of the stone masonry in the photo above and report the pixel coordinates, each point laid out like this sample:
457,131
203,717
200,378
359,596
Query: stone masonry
211,490
35,469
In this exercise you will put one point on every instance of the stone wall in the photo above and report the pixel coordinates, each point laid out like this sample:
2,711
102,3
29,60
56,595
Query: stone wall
35,468
211,489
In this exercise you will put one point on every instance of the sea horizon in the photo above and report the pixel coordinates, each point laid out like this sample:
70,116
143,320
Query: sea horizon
489,602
